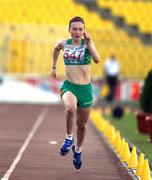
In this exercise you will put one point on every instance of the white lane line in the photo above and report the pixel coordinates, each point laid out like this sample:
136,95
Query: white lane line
53,142
25,144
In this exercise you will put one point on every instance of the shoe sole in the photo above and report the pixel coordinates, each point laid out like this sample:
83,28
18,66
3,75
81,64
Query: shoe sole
77,166
64,153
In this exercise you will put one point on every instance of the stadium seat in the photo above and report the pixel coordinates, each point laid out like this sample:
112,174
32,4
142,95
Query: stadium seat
37,25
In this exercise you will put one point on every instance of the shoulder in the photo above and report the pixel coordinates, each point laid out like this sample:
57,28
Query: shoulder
60,44
62,41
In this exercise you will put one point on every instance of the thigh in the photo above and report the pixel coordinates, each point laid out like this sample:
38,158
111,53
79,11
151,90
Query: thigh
83,115
69,99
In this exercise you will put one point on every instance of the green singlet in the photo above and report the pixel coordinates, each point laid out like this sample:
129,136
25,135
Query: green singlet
76,55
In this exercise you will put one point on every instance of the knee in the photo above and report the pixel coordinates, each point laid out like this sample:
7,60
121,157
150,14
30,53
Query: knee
70,109
81,126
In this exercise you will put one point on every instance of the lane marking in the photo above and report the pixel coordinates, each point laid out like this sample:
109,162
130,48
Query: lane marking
53,142
35,127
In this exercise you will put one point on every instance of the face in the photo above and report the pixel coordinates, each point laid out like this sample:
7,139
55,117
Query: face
76,30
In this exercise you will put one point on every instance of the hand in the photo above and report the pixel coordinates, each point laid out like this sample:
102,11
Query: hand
53,73
87,37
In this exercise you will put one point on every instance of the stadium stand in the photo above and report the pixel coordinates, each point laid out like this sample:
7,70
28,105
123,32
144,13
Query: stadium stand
130,15
134,12
29,30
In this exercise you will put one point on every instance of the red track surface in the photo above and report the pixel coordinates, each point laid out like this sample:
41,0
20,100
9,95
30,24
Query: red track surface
40,160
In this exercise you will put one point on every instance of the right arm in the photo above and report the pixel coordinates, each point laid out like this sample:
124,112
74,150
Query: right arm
56,52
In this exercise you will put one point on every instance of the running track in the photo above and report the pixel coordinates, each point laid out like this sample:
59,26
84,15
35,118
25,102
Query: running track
30,137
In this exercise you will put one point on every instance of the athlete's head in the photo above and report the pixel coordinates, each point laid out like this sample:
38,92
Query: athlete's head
77,28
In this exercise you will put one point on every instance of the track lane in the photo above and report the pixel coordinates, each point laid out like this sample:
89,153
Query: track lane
3,108
15,125
41,160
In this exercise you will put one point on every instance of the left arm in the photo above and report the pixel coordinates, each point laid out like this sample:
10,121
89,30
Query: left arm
91,48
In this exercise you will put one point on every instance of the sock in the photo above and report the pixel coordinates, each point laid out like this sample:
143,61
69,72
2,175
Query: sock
78,149
69,136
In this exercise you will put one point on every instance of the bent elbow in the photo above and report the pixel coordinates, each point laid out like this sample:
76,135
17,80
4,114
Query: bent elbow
97,60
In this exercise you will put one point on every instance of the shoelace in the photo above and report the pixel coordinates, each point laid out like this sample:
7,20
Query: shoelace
67,143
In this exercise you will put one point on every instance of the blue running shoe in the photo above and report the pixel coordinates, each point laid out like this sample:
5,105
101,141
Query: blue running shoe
77,162
65,148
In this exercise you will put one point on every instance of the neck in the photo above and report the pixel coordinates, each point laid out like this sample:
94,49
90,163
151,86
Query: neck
75,42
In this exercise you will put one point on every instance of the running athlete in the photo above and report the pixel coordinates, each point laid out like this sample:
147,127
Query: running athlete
76,91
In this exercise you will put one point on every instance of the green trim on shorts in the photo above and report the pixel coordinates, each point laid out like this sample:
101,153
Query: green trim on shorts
82,92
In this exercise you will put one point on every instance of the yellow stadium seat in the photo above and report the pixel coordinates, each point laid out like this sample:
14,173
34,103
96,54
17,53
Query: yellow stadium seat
33,28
